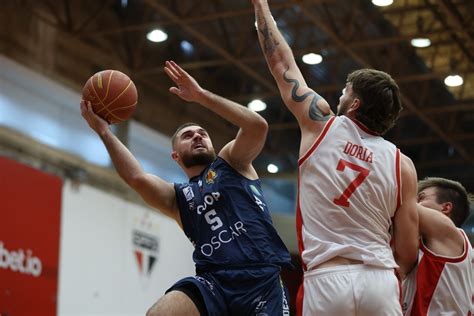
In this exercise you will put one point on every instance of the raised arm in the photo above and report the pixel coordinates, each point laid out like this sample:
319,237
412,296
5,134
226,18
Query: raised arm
309,108
154,190
253,128
406,231
439,233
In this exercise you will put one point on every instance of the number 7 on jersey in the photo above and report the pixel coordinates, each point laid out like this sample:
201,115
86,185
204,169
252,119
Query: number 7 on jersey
343,200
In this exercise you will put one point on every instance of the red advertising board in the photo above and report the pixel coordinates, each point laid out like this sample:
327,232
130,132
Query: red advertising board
30,209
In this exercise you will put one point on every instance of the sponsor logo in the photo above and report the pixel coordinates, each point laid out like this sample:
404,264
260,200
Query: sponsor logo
255,190
209,200
285,305
206,283
223,237
188,193
20,261
257,196
210,176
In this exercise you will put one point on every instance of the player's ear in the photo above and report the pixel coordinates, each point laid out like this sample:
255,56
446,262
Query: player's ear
174,155
447,208
354,105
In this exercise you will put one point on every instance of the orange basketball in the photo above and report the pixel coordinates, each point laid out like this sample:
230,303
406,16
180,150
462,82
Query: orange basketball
113,95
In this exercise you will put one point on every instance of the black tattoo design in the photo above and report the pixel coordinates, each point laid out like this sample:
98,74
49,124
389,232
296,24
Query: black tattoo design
315,112
269,42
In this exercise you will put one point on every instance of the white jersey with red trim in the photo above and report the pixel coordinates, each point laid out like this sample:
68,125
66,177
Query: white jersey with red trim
440,285
349,189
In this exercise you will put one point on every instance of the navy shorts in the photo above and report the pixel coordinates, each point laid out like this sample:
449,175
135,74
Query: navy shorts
250,291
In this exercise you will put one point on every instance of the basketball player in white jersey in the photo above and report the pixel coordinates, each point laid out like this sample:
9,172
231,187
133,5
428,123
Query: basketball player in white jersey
352,184
443,281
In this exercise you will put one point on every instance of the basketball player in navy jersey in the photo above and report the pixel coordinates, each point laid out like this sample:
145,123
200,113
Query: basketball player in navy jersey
238,253
353,185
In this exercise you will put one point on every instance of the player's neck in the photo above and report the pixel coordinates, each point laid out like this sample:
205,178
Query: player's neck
194,170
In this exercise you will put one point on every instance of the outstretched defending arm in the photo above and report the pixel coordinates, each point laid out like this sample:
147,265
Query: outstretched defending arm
406,231
154,190
253,128
309,108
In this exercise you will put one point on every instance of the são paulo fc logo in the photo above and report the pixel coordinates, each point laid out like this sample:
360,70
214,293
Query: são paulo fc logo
145,245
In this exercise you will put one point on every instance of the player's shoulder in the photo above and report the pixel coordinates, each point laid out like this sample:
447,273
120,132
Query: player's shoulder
407,165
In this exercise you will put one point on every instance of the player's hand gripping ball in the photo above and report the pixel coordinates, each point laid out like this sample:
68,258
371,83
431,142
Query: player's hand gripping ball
113,95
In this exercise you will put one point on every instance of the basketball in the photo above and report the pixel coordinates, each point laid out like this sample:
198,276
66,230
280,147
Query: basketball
113,95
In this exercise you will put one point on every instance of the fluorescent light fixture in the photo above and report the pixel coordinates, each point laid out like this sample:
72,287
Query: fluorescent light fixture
453,80
312,59
257,105
157,36
272,168
420,42
382,3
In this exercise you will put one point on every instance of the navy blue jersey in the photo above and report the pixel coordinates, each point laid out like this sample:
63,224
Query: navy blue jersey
225,216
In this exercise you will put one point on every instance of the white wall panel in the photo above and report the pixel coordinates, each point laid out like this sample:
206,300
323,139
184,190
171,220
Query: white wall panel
99,273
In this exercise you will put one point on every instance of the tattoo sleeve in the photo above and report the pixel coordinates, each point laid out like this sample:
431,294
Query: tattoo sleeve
315,112
269,42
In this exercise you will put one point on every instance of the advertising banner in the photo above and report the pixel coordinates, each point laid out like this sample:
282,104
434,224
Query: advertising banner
30,208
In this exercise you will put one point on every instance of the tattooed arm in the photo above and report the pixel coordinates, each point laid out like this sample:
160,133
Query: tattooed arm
309,108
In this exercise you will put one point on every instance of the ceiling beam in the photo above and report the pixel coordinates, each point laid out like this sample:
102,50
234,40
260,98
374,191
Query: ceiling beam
161,9
184,20
431,139
406,101
441,109
440,17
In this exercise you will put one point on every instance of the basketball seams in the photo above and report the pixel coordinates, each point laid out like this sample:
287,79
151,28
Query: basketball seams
121,93
101,102
98,98
108,86
114,110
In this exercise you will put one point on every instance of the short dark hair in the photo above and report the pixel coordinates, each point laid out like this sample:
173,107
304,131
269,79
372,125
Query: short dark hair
380,99
173,138
449,191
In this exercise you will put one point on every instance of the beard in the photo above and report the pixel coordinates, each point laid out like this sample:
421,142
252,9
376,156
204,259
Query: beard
199,159
341,109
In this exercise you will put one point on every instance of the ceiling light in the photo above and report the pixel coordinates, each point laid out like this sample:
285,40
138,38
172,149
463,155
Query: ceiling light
257,105
382,3
420,42
272,168
312,59
453,81
187,47
157,36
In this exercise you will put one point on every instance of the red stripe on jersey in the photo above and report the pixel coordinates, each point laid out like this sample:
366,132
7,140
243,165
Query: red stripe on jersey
363,127
299,300
399,181
299,227
428,275
433,256
317,141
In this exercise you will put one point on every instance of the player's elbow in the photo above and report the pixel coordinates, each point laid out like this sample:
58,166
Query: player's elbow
135,181
261,125
277,67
